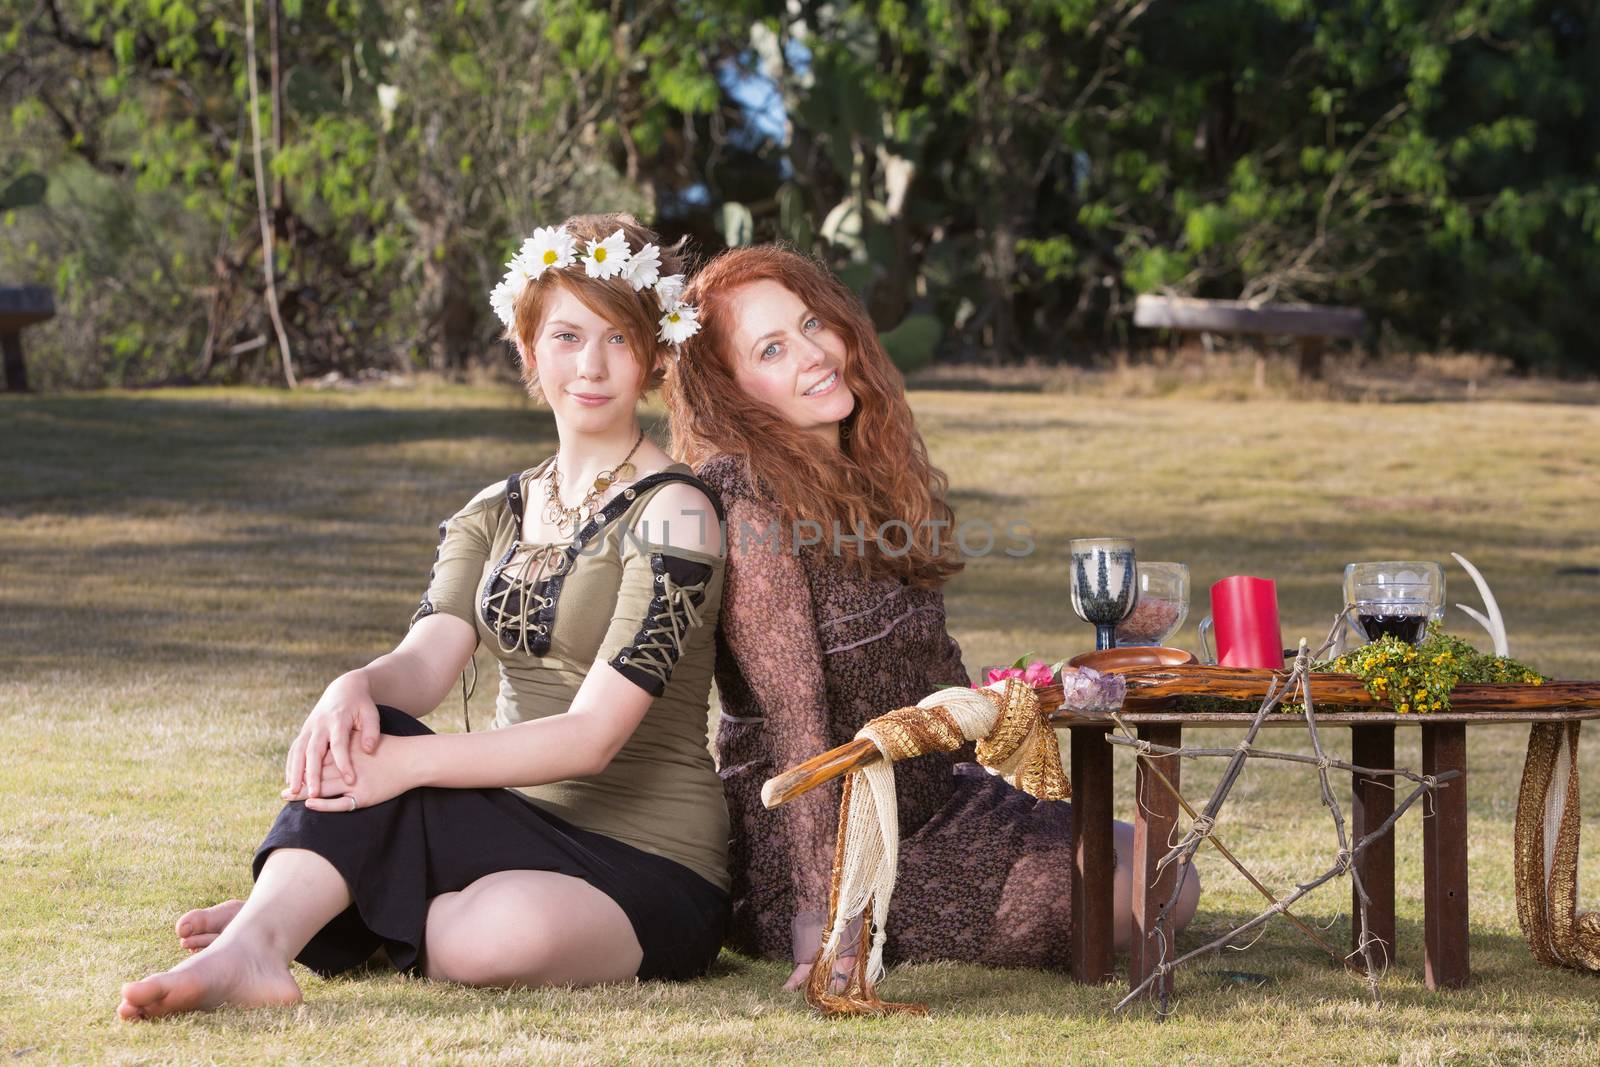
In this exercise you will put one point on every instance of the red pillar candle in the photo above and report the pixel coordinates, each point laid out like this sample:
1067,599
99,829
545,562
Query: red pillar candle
1244,611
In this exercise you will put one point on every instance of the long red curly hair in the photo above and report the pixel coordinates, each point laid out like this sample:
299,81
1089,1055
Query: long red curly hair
884,474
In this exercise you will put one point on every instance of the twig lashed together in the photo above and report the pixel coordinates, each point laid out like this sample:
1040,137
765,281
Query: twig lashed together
1347,858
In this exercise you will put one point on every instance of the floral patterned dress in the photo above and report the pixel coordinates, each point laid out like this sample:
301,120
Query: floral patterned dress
807,652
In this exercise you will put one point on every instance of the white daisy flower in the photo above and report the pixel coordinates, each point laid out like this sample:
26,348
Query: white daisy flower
680,323
643,268
518,270
669,289
608,258
503,297
550,247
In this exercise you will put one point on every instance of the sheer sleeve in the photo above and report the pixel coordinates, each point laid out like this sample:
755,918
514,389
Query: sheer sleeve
769,629
463,551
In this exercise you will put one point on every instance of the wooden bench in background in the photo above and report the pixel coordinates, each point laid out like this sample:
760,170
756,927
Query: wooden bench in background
1313,324
20,306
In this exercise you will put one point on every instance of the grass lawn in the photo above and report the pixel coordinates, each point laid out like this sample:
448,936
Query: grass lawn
182,572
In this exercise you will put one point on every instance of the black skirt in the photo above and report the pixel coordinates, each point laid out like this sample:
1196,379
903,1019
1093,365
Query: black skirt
397,855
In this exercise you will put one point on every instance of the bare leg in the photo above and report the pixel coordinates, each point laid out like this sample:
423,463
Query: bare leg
248,964
529,928
198,928
1122,894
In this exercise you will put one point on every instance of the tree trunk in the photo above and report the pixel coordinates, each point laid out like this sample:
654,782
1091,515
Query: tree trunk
275,81
446,302
282,217
268,265
1002,274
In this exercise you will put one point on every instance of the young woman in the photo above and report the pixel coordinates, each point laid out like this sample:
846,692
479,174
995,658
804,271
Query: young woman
792,413
584,838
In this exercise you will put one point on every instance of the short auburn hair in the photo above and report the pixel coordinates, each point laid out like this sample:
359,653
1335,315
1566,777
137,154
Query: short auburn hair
882,473
636,314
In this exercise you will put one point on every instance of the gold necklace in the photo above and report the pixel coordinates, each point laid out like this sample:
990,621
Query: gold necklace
560,516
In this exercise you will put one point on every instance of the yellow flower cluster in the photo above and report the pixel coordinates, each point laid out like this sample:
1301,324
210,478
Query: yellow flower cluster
1418,679
1400,675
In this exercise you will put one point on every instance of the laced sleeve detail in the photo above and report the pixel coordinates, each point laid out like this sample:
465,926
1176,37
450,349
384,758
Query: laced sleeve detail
679,587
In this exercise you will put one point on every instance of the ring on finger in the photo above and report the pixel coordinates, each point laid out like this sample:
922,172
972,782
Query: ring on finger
351,797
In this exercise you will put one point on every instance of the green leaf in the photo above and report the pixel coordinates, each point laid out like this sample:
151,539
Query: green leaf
1056,255
25,191
911,344
122,43
468,72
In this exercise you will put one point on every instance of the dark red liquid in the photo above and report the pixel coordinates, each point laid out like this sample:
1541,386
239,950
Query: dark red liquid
1407,628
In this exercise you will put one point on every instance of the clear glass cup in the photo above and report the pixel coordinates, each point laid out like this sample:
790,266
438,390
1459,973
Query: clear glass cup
1103,584
1397,597
1162,605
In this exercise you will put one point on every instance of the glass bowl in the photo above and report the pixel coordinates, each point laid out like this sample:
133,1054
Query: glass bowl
1162,606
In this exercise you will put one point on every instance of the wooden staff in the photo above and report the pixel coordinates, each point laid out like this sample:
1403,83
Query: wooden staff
1152,687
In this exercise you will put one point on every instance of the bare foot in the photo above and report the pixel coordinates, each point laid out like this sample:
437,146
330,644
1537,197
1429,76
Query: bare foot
198,928
229,973
841,975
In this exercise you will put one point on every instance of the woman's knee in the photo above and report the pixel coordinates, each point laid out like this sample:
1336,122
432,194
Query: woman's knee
530,928
472,939
1122,894
1188,897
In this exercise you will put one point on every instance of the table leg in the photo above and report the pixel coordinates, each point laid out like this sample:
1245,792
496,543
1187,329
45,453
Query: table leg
1373,746
1155,817
1094,870
1444,859
16,370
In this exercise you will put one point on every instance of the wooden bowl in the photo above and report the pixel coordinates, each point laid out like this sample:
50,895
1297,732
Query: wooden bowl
1112,660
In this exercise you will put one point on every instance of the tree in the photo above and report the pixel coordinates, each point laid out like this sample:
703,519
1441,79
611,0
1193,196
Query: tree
411,153
996,179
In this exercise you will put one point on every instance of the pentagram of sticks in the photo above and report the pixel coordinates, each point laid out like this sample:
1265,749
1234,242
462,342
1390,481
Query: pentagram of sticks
1203,828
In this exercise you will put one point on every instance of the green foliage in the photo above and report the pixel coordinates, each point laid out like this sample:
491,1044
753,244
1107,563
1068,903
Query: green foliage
1150,270
1018,171
23,191
1056,256
1418,679
911,344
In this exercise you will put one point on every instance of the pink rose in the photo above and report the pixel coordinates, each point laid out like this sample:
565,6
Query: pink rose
1036,674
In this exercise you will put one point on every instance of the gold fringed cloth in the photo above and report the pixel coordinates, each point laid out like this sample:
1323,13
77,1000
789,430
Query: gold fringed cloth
1015,740
1546,845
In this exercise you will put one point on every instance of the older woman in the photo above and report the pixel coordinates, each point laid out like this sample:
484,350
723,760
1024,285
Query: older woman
833,613
584,838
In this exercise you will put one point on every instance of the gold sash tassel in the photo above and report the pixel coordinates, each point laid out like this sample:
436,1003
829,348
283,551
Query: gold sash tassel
1545,841
1015,740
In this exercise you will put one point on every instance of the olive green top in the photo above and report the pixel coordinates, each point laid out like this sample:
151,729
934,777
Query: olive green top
612,595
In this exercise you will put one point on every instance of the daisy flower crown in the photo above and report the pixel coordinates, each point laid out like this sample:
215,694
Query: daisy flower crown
553,248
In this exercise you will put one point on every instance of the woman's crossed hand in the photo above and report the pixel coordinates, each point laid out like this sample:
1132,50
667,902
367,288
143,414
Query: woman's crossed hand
384,776
346,708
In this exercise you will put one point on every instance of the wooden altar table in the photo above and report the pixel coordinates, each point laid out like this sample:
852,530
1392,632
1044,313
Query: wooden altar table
1444,827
